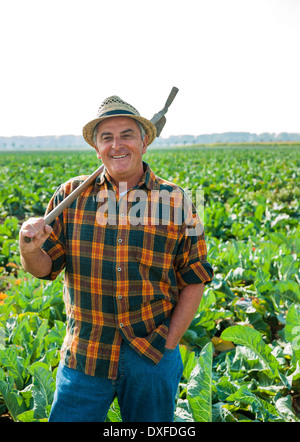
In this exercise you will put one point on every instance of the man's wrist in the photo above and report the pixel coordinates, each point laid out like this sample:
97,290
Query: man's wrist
171,345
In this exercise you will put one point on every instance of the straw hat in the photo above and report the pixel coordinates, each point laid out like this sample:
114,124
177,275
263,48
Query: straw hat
115,107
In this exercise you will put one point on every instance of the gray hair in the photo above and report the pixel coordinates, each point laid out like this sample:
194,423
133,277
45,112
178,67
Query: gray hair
140,126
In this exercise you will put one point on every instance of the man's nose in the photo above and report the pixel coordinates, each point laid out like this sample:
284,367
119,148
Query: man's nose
117,143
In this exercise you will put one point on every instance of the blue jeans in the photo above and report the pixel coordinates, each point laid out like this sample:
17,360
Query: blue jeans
146,392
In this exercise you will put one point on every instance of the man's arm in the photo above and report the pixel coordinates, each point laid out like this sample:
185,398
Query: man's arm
184,312
34,260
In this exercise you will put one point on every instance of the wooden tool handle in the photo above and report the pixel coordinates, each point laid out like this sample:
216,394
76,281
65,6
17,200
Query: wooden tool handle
69,199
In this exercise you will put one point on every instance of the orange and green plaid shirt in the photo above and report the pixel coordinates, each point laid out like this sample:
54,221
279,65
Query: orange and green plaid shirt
126,258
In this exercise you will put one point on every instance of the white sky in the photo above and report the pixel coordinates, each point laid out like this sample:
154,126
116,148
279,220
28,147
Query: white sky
236,63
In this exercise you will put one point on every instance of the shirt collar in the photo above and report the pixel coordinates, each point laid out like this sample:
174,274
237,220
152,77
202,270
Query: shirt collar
103,176
148,179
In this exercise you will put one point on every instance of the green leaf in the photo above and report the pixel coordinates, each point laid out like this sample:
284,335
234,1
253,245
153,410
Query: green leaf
56,334
208,317
114,413
10,361
246,360
15,404
292,328
189,361
288,289
12,398
207,300
22,333
287,268
240,275
28,416
259,211
38,342
295,376
221,413
262,280
284,407
262,409
183,411
42,390
252,339
221,288
199,387
225,388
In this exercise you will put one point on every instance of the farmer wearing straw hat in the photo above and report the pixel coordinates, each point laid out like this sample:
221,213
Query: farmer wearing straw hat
134,277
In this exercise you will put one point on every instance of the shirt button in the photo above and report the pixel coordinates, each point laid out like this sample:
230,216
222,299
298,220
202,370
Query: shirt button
120,240
119,269
122,215
120,297
121,325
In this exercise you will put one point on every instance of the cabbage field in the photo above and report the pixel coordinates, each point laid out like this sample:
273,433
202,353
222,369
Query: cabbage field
241,353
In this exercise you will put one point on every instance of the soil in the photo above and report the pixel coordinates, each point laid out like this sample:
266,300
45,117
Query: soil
5,418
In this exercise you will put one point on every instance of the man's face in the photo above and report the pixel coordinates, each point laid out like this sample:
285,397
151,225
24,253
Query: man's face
120,147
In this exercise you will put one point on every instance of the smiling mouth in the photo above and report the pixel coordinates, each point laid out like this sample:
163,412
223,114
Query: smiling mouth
119,157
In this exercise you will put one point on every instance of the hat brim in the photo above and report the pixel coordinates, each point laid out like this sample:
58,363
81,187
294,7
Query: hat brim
88,129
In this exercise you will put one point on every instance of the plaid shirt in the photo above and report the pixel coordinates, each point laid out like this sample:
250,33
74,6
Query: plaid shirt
124,268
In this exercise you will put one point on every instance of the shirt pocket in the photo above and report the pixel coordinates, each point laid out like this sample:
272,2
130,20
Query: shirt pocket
155,246
154,250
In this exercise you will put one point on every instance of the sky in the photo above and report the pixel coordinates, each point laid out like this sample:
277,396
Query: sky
236,63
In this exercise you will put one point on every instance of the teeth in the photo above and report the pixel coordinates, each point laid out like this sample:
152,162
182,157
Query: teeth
119,156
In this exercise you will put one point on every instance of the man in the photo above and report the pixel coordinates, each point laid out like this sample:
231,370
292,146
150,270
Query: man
134,277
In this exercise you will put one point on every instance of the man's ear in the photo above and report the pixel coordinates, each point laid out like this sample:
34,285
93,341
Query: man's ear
97,150
145,144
